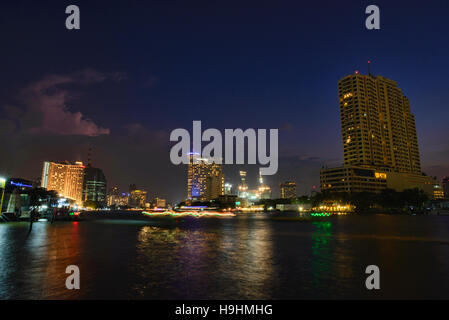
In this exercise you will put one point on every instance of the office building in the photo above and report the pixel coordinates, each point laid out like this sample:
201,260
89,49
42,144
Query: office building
94,187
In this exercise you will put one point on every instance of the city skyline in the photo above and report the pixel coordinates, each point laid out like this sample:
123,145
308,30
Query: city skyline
282,70
224,159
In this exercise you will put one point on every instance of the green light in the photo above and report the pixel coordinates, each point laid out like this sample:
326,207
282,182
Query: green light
321,214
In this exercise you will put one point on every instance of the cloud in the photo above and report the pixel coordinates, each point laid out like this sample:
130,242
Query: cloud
44,105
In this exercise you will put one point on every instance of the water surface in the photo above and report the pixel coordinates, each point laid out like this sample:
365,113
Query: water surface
246,257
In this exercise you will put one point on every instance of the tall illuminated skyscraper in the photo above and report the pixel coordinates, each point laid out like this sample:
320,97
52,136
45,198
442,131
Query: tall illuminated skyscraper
205,179
64,178
377,127
380,145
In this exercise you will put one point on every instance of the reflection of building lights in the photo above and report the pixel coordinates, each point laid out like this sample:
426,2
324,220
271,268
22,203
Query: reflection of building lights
196,214
252,209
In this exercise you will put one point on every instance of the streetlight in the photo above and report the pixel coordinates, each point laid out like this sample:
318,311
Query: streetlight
3,185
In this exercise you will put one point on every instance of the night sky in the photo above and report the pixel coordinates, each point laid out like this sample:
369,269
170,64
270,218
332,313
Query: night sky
139,69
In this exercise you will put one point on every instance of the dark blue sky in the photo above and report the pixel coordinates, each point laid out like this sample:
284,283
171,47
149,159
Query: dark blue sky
144,68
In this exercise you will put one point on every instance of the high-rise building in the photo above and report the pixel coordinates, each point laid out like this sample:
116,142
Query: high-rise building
263,191
380,144
94,186
228,188
378,129
243,186
205,179
64,178
445,184
113,197
288,190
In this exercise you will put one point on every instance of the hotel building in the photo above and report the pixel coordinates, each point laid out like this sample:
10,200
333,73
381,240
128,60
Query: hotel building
380,145
64,178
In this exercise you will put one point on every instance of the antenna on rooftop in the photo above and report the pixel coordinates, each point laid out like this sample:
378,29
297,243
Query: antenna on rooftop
89,157
369,68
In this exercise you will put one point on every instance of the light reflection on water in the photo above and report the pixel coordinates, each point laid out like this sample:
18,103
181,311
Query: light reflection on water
203,260
249,257
322,254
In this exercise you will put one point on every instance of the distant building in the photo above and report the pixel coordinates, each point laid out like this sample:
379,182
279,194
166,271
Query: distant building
228,189
112,198
293,207
64,178
137,198
249,196
123,199
264,191
380,144
438,193
160,203
94,186
227,201
445,184
288,190
205,179
243,186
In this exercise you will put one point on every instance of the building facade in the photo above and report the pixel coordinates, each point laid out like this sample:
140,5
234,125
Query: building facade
380,145
445,184
137,198
160,203
377,126
205,179
64,178
94,186
288,190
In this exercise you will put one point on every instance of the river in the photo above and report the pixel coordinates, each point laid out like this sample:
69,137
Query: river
244,257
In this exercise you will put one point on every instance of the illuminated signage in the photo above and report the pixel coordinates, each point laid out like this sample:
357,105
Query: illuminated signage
18,184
